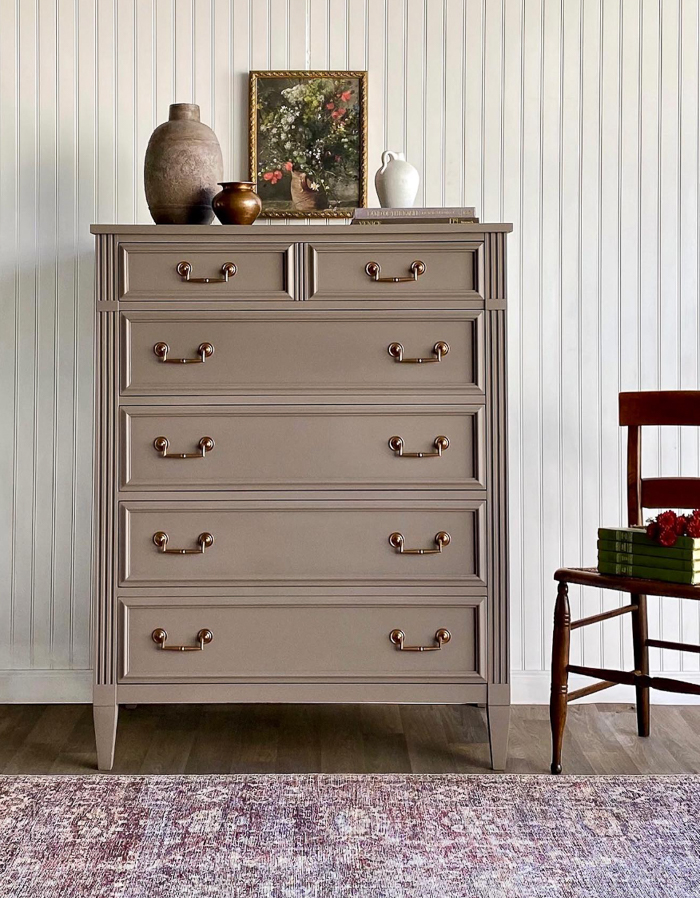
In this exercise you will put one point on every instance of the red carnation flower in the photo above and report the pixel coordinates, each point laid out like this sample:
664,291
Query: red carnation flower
667,536
652,530
667,526
692,524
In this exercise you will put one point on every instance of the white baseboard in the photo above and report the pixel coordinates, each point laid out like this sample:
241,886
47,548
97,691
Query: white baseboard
532,688
528,688
32,687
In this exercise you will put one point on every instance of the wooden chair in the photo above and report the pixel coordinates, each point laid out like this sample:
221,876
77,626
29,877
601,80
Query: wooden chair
636,410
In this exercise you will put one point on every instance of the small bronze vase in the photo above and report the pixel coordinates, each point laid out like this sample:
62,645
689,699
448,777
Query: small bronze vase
237,203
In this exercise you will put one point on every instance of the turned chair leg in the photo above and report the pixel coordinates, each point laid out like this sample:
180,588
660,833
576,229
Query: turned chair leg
560,672
640,634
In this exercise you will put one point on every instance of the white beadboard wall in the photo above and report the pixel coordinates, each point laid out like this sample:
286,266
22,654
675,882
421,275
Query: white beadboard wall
577,120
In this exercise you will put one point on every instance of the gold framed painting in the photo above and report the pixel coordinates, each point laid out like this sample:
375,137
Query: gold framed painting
308,143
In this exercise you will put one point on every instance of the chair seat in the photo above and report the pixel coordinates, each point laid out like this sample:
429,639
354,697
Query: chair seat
589,576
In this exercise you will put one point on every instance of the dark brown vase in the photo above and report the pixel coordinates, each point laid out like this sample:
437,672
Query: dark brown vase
183,165
237,203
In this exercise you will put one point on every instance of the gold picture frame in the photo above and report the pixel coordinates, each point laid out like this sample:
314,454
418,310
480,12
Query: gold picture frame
312,182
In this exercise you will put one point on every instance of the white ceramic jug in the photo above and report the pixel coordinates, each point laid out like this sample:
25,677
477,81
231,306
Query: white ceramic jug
396,181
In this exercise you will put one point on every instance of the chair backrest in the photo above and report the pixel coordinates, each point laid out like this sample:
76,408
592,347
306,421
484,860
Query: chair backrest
675,407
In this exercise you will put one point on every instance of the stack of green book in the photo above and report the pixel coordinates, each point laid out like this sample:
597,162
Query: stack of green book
630,552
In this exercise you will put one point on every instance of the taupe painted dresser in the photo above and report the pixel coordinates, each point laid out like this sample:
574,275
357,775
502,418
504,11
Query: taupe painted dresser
301,468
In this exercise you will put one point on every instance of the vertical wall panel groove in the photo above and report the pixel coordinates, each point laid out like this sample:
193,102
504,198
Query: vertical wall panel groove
577,120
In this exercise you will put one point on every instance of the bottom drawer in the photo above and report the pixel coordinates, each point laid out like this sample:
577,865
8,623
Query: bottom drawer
257,641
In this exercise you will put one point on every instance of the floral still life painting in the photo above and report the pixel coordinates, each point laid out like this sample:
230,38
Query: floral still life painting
308,143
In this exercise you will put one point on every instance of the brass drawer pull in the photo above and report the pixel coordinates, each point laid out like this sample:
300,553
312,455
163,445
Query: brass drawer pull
416,268
396,351
396,444
159,636
442,637
206,444
205,541
184,269
441,539
204,351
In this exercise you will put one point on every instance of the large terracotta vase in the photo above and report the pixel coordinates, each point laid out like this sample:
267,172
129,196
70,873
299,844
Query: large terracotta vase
182,168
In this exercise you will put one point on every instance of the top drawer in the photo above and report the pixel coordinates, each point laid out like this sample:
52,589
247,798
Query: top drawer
223,271
381,270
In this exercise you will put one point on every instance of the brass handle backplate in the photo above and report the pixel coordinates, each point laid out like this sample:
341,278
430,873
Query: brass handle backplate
184,269
160,636
204,540
206,444
442,539
204,351
396,351
396,445
442,637
416,268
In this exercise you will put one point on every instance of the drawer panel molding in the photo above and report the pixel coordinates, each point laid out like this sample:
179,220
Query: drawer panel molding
263,641
289,447
296,542
215,272
408,271
307,351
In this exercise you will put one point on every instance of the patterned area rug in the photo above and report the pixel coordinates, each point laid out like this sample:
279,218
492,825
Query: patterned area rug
356,836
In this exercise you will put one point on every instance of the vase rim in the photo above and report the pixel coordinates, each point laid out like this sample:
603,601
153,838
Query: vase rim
236,183
184,111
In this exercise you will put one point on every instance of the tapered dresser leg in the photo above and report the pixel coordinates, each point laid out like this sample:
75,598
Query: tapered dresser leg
105,719
560,673
498,717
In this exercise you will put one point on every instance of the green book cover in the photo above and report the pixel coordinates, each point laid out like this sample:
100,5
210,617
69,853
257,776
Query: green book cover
638,536
649,551
652,561
649,573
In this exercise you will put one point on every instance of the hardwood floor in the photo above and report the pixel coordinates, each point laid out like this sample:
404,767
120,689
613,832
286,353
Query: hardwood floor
343,739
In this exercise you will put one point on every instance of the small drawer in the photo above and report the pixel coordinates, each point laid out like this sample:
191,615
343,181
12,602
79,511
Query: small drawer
211,271
380,270
263,640
305,352
320,541
288,447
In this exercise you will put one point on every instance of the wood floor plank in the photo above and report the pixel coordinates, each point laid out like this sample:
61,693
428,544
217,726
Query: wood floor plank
385,753
257,740
340,734
426,740
214,742
172,739
44,741
600,739
299,746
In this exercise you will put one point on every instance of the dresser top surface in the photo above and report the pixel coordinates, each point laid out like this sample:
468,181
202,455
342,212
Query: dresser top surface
289,230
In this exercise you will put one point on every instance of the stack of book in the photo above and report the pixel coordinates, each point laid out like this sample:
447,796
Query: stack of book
630,552
416,215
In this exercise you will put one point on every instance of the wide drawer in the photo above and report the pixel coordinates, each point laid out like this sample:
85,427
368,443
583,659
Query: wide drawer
304,351
285,447
212,271
320,541
396,271
263,641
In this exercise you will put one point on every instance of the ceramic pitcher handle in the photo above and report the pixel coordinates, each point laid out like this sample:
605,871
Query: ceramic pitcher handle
387,157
